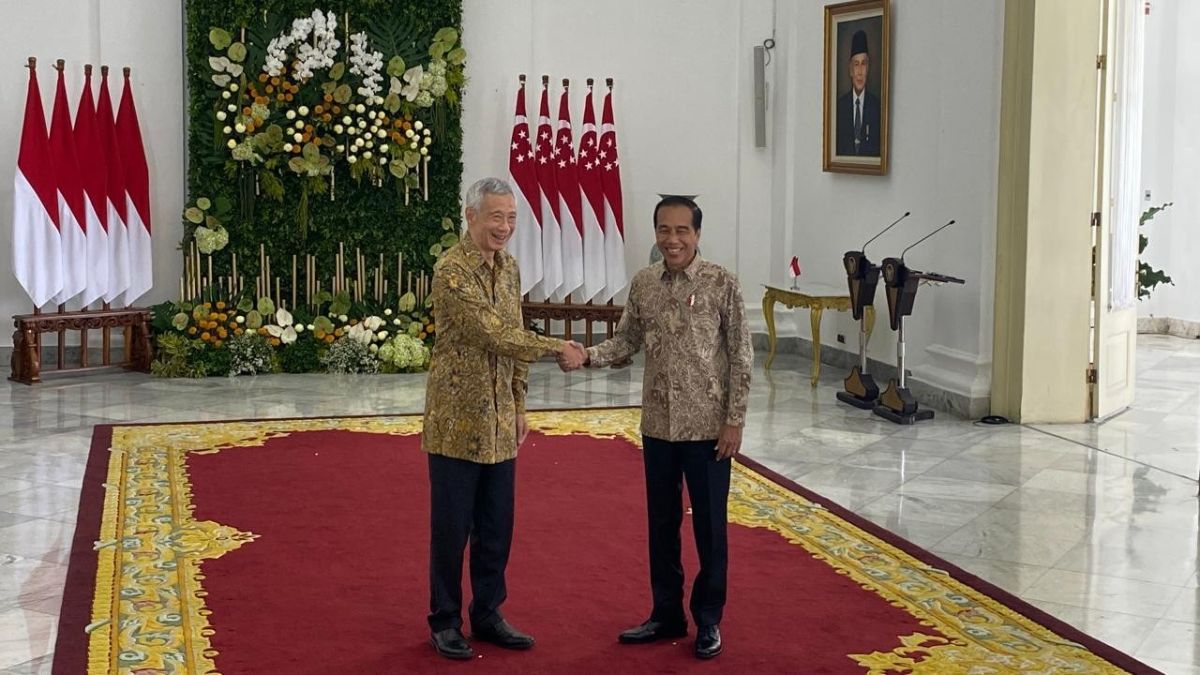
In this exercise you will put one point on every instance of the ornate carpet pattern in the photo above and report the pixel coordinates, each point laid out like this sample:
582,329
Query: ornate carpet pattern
201,548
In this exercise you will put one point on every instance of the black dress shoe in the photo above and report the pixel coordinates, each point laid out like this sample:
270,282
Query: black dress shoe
502,634
451,644
708,641
652,631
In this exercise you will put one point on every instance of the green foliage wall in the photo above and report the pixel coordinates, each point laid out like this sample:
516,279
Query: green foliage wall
360,214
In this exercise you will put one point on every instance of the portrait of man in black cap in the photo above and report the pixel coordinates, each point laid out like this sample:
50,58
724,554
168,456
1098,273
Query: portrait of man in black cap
858,110
857,92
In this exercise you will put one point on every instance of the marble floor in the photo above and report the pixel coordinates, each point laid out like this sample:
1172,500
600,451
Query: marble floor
1095,524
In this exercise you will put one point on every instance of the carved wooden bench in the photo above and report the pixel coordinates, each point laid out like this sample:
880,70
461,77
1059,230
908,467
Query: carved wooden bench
569,313
27,340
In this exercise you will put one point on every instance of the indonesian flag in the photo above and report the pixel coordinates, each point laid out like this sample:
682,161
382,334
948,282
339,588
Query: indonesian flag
570,207
593,204
72,220
794,267
89,150
526,243
117,202
614,219
37,245
137,186
546,156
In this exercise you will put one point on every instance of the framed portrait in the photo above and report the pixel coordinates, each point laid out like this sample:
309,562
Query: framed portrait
857,94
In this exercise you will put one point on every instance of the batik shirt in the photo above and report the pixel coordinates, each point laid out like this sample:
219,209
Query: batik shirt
692,325
479,370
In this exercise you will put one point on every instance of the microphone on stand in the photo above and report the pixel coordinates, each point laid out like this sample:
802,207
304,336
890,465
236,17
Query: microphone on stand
926,237
906,214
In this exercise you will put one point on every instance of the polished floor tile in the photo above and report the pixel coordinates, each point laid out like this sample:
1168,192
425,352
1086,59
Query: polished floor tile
1096,524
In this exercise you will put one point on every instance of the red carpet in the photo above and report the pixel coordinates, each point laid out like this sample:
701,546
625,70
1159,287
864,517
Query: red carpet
335,578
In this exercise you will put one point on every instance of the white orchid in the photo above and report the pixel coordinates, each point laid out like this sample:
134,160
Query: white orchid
366,64
311,55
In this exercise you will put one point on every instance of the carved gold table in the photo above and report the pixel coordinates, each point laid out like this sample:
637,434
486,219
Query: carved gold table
817,298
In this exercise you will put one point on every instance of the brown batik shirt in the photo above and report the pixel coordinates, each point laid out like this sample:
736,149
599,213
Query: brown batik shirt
693,327
479,371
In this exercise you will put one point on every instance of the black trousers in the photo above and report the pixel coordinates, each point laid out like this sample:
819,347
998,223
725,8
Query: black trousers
667,465
474,502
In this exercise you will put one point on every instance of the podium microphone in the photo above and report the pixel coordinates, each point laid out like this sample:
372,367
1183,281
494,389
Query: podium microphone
924,238
906,214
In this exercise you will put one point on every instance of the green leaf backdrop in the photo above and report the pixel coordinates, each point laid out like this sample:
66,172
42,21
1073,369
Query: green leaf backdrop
360,215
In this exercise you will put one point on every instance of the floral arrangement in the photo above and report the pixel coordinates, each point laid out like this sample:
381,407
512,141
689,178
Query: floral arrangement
308,101
404,353
210,234
249,354
252,337
350,356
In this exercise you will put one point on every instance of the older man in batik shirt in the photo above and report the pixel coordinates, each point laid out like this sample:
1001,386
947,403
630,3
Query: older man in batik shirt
475,420
687,314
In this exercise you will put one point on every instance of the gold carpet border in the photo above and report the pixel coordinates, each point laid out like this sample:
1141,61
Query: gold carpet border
149,539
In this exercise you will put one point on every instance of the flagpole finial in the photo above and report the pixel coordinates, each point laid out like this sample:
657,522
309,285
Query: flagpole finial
87,69
32,65
545,80
609,82
126,70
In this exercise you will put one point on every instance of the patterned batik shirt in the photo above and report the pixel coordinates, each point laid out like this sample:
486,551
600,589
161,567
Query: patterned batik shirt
479,371
693,327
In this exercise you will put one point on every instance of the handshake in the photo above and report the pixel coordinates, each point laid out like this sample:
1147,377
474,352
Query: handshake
572,356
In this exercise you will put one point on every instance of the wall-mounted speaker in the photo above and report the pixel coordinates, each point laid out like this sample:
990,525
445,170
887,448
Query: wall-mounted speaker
760,97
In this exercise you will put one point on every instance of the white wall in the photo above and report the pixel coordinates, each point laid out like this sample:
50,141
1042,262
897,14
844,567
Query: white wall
681,100
116,33
684,116
1171,156
683,106
945,78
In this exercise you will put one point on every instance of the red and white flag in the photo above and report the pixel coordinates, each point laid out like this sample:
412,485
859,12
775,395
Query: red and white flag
614,218
794,267
546,156
117,201
594,278
89,151
137,186
526,243
570,211
37,247
72,220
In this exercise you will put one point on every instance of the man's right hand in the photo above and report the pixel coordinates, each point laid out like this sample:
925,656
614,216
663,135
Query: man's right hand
572,356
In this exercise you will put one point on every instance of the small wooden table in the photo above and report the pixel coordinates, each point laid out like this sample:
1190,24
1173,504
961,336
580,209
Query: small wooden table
817,298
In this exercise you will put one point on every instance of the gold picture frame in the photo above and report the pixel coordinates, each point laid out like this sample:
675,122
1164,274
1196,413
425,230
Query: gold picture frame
857,93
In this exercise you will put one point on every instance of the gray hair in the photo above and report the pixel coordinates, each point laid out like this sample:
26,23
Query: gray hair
483,187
